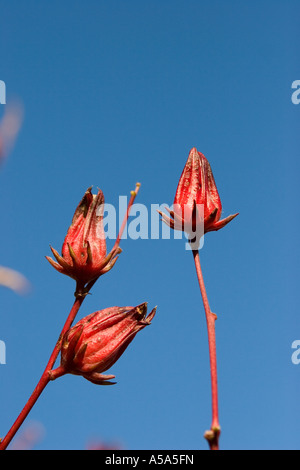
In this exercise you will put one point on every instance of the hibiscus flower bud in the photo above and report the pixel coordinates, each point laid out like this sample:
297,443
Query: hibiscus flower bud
197,205
97,341
84,255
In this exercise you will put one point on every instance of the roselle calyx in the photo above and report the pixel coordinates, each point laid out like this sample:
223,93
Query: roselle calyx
97,341
197,202
83,256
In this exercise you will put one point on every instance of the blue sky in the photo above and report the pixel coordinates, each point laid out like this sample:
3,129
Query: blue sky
119,92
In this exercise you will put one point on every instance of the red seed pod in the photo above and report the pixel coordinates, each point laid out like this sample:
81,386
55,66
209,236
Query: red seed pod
97,341
84,249
197,202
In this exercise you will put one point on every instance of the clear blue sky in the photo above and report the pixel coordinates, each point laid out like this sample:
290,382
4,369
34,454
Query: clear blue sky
118,92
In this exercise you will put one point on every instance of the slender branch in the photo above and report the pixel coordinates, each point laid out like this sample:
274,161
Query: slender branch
45,378
121,230
130,203
212,436
80,294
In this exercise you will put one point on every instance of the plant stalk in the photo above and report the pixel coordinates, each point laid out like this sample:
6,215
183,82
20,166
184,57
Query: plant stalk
212,436
45,378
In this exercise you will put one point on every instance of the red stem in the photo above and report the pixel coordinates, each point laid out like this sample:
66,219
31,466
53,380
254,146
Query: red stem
213,434
121,230
130,203
44,380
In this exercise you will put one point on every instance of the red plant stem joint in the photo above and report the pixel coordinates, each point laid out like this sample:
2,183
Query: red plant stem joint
212,436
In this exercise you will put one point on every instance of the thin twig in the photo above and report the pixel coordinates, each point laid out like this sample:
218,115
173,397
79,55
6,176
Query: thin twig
44,380
212,436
